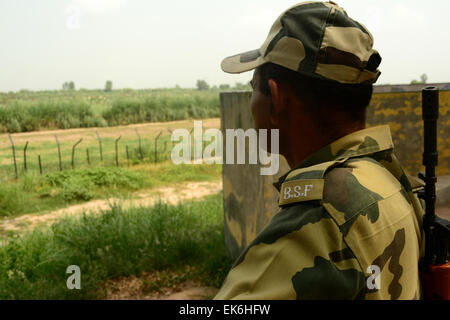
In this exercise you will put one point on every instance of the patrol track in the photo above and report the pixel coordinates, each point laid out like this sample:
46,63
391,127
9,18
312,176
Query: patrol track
172,195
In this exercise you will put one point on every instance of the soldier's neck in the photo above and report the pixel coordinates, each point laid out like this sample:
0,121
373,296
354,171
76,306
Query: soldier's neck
304,142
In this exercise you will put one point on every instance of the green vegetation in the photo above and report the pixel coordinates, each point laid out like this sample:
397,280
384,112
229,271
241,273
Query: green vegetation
33,193
196,105
187,238
30,111
116,243
21,116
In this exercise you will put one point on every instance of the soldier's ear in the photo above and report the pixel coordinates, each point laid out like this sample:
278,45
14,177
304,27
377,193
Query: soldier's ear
278,100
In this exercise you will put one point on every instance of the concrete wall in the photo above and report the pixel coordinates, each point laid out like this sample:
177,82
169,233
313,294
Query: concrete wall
250,200
248,197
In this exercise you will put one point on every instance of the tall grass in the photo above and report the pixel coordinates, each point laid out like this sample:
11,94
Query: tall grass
115,243
163,108
21,116
31,111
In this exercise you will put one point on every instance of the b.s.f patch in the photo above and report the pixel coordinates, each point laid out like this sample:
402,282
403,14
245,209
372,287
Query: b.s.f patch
301,190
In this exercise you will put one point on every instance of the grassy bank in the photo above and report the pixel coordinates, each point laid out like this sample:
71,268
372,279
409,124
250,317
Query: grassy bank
116,243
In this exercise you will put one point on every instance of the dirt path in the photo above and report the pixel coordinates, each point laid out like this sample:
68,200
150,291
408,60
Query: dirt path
146,287
172,195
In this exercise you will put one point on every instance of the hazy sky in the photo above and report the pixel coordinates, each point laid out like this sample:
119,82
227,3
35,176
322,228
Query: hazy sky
153,44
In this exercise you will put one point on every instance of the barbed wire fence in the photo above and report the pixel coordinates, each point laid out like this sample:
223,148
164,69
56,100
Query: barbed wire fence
156,149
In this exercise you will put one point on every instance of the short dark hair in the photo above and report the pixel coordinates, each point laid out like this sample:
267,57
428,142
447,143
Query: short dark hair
323,95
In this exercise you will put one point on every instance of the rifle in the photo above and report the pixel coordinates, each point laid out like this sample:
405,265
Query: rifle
435,266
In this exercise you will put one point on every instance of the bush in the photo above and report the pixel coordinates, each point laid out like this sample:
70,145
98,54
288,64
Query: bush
96,177
74,189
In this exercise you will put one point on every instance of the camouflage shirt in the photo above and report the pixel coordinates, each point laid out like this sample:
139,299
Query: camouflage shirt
349,228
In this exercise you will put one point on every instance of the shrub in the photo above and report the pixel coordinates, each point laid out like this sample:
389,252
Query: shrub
98,176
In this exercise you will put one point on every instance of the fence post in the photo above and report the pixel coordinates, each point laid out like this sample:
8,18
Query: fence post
25,157
14,154
87,157
40,164
156,146
100,145
117,151
73,152
128,156
59,152
140,144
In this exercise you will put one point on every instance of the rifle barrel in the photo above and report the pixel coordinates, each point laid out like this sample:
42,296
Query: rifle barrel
430,115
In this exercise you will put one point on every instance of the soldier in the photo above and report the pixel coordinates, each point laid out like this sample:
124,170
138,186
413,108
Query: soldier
349,225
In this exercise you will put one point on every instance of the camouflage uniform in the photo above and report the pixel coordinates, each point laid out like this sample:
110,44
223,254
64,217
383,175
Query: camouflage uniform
348,210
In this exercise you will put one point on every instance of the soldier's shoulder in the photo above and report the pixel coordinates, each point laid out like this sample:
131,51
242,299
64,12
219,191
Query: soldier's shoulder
344,188
356,187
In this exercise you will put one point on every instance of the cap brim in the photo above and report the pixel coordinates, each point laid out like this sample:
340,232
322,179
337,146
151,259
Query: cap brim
242,62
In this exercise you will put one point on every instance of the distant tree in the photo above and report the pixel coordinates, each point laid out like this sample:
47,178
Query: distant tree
69,85
423,80
202,85
108,86
177,86
224,87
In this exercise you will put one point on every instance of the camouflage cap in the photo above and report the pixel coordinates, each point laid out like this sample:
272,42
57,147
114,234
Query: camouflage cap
316,39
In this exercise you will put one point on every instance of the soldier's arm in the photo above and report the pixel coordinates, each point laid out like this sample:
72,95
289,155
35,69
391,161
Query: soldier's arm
299,255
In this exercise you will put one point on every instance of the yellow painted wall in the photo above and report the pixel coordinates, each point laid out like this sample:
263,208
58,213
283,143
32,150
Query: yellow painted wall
403,112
